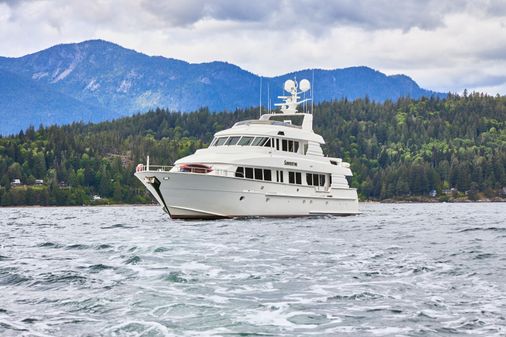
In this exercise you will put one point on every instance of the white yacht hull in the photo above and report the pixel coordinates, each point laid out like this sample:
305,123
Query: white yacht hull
187,195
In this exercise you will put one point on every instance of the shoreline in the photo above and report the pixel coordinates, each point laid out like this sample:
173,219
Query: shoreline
386,201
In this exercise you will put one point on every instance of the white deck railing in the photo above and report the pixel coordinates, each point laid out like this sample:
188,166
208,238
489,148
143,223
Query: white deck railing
157,168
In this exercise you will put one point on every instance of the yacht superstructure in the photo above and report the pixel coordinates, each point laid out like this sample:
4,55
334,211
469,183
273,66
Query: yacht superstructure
273,166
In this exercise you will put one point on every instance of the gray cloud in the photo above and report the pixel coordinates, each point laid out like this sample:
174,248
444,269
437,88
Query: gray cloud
11,2
442,44
308,14
188,12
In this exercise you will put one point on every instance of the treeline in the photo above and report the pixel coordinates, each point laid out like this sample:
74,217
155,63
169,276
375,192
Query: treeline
396,149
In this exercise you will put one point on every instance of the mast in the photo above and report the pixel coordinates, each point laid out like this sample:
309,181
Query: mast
260,105
312,94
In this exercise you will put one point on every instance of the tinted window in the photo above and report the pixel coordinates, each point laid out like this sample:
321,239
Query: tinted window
259,141
295,146
267,175
284,142
258,174
298,178
221,141
291,177
290,146
309,178
245,140
239,172
249,172
232,140
268,143
322,179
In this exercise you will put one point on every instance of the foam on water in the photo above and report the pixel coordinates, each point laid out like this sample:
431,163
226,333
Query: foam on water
396,270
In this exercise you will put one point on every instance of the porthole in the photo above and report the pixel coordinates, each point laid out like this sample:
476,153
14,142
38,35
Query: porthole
241,198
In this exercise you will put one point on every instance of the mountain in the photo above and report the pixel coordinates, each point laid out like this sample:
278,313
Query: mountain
98,80
24,101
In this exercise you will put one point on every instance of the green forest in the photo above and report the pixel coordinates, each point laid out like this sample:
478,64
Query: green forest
430,148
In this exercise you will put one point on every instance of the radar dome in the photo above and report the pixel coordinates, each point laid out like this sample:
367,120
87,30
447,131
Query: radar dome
304,85
289,85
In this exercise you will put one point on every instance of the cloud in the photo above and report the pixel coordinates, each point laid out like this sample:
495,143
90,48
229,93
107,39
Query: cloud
188,12
444,45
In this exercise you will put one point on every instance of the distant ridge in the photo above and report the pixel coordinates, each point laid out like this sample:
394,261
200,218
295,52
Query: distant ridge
98,80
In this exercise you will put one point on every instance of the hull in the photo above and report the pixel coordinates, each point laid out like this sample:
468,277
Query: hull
205,196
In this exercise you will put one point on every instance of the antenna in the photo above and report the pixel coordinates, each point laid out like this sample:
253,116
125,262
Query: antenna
268,98
260,96
312,94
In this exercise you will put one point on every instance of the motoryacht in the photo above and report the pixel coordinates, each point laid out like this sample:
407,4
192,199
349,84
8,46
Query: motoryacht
272,167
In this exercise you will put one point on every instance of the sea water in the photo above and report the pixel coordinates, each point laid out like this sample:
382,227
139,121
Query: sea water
395,270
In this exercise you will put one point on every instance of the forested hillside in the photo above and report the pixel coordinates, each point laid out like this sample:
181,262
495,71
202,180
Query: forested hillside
397,149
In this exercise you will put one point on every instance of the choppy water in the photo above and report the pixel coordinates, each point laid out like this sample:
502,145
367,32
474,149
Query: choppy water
396,270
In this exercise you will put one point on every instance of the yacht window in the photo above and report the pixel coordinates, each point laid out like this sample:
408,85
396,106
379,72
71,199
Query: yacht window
277,144
290,146
221,141
284,142
333,162
314,179
322,179
232,140
214,141
330,180
281,176
296,147
267,175
291,177
298,178
268,143
245,141
281,133
249,172
305,148
258,174
239,173
259,141
309,179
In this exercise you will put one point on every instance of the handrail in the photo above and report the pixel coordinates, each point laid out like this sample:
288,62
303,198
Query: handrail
267,122
159,168
167,168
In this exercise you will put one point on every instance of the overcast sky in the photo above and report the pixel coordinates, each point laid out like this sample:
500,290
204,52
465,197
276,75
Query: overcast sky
444,45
